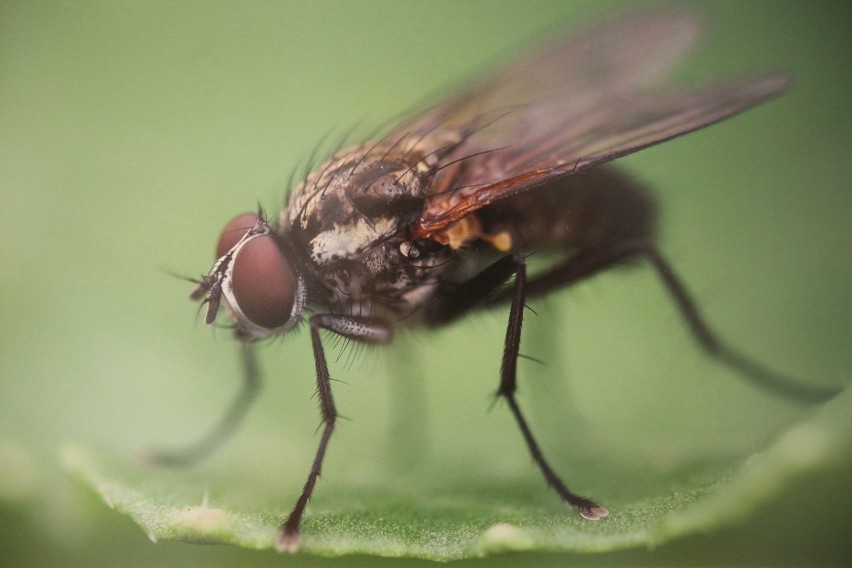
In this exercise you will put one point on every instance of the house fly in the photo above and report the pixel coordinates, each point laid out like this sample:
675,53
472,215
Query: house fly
436,219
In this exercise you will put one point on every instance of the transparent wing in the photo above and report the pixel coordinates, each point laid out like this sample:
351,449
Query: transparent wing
610,60
577,104
569,146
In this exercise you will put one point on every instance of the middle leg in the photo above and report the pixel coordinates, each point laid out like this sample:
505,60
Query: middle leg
469,295
588,508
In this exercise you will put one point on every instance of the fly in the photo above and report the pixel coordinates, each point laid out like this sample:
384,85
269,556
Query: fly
435,220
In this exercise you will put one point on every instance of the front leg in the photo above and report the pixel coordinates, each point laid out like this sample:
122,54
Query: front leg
226,426
359,328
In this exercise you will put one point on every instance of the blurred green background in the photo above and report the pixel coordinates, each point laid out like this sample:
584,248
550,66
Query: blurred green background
130,132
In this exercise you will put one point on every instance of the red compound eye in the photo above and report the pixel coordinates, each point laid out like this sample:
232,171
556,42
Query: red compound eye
261,289
234,231
264,286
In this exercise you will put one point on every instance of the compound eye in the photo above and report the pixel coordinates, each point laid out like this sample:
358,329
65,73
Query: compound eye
234,231
264,287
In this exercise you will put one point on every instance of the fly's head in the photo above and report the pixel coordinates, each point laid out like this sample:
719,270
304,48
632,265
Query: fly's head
262,294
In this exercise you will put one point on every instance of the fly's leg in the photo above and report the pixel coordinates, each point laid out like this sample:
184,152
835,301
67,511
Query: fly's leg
358,328
225,427
591,262
460,299
467,296
456,300
744,365
508,386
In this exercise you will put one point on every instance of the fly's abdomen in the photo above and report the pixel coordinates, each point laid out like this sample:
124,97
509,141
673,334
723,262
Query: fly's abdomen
578,212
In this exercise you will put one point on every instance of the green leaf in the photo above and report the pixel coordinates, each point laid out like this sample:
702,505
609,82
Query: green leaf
467,520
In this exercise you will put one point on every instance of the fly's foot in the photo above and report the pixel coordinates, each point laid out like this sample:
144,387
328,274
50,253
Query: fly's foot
288,540
593,512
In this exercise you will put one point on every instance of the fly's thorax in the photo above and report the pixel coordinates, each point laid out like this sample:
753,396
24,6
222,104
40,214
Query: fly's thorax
354,201
347,223
370,179
381,280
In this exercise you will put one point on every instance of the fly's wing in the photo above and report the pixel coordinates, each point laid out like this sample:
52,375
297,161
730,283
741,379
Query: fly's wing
579,103
617,58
